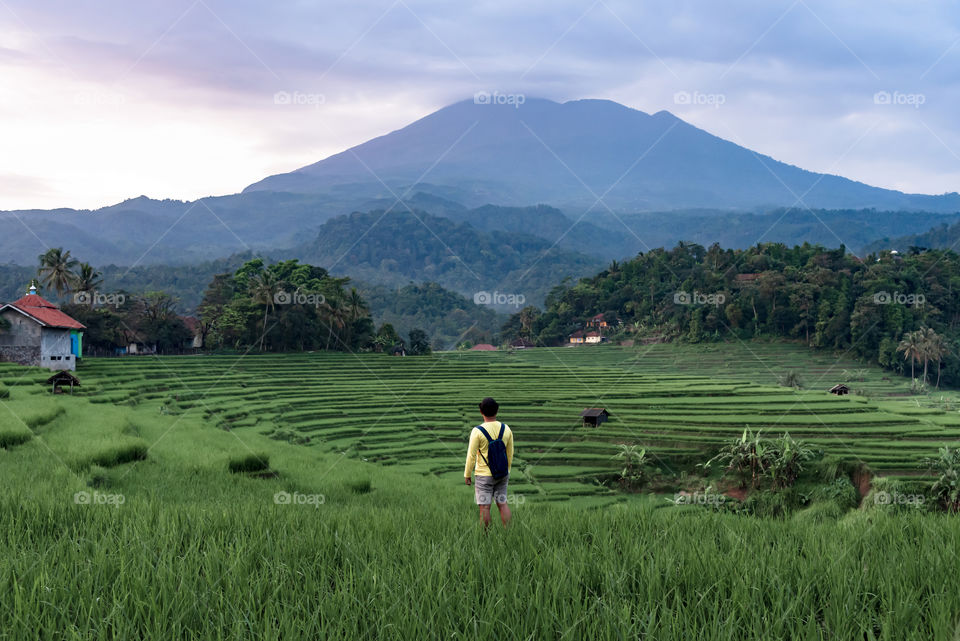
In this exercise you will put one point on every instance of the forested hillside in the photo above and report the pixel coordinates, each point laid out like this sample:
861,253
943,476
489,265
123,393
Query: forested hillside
395,247
899,311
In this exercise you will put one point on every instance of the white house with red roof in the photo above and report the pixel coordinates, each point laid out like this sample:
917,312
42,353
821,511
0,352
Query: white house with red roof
40,334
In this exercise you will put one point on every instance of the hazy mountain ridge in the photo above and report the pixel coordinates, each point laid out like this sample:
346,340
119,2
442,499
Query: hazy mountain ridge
689,185
569,154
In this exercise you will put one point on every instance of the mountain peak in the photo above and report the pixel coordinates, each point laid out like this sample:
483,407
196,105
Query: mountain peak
510,149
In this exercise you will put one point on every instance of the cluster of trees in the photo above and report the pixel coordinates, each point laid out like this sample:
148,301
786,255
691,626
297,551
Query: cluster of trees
115,319
290,306
826,298
924,345
278,307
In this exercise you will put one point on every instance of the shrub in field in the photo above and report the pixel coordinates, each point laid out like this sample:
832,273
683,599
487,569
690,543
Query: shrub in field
42,416
946,488
820,512
98,476
247,463
634,472
841,493
791,379
360,486
753,458
767,503
114,455
290,436
14,435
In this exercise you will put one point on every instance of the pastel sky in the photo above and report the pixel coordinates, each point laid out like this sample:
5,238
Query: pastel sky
102,100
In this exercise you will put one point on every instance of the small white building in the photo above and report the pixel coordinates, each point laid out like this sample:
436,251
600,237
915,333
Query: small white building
40,334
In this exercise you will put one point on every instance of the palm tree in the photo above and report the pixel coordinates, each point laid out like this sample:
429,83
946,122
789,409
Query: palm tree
336,314
355,310
912,347
87,281
264,288
56,270
528,316
936,350
355,305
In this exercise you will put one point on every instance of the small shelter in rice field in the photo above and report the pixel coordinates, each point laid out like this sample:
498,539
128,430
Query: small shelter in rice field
60,380
839,389
594,416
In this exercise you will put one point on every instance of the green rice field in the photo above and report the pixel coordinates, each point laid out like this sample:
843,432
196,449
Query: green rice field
346,517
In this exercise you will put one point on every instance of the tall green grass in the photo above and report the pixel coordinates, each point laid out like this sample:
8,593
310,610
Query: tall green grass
97,544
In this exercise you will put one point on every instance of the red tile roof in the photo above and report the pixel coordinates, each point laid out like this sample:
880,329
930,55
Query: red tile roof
44,311
483,347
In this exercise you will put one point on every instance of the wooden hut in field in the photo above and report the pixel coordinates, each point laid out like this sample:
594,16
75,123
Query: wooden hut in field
594,416
60,380
839,390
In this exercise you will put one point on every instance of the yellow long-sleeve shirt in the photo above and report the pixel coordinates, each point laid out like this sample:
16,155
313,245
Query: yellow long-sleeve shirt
479,444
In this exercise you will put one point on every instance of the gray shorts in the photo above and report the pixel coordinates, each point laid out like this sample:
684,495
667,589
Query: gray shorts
486,489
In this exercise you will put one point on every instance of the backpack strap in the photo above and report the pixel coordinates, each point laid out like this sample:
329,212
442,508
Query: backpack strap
484,432
500,438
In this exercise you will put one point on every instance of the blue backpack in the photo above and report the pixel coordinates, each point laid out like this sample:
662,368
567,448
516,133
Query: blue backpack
497,451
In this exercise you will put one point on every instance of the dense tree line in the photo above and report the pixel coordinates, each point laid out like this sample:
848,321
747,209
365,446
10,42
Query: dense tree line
289,306
184,283
280,307
826,298
114,320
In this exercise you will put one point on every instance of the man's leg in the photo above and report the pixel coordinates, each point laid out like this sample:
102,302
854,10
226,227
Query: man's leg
504,513
500,497
485,515
483,493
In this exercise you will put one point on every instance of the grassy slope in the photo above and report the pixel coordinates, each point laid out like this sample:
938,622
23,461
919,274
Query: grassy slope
196,552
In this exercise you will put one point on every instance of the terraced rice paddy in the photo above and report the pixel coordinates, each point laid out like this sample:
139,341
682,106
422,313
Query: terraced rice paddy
416,413
165,541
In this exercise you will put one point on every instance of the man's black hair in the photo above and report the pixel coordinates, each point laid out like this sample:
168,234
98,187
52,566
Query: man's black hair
489,407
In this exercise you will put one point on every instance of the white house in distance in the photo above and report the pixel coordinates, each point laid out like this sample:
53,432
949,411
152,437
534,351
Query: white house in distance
40,334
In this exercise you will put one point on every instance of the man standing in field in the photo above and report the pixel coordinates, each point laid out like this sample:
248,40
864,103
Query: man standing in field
493,442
